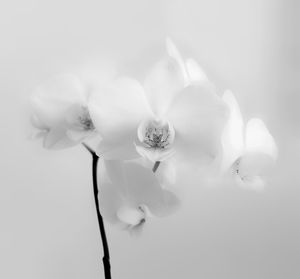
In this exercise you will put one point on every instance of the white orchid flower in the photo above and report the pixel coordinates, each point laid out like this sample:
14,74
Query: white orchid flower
248,151
131,193
60,112
174,112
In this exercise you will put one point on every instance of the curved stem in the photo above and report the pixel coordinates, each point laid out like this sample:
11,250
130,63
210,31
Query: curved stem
106,258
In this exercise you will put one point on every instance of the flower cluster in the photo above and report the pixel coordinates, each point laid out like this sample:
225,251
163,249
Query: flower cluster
173,115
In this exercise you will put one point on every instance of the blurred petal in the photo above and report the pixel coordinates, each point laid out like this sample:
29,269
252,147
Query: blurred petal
136,230
139,186
37,122
130,215
51,100
58,139
79,135
162,84
166,172
233,134
153,154
110,202
116,173
117,151
118,110
144,187
198,116
253,164
195,73
174,53
259,139
255,183
171,204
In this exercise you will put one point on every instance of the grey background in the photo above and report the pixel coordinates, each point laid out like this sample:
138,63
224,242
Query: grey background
47,219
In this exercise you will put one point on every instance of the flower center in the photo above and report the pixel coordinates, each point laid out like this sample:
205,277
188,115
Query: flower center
85,120
156,134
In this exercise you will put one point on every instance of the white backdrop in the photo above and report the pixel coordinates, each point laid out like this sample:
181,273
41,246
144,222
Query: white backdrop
48,225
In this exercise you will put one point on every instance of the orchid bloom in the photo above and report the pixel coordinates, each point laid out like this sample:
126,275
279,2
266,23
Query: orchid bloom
248,151
131,193
175,112
60,112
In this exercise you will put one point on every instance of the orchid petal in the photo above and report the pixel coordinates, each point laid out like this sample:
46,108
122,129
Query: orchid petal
255,183
136,230
145,188
174,53
195,73
139,186
162,85
259,139
131,216
57,139
167,173
155,155
198,117
171,204
38,123
116,173
233,134
117,151
110,202
253,164
51,100
118,110
79,135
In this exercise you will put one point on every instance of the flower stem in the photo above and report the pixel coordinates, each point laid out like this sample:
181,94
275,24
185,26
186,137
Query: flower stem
106,258
156,165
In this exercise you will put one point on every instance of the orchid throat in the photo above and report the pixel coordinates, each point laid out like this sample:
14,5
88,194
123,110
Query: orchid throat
85,120
156,134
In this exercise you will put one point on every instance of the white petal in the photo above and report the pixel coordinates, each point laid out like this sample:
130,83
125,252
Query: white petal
38,135
254,164
117,176
136,230
155,155
117,151
167,173
255,183
51,100
117,111
58,139
195,73
233,134
174,53
259,139
130,215
110,202
140,186
252,167
162,84
37,122
145,188
171,204
198,117
79,135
